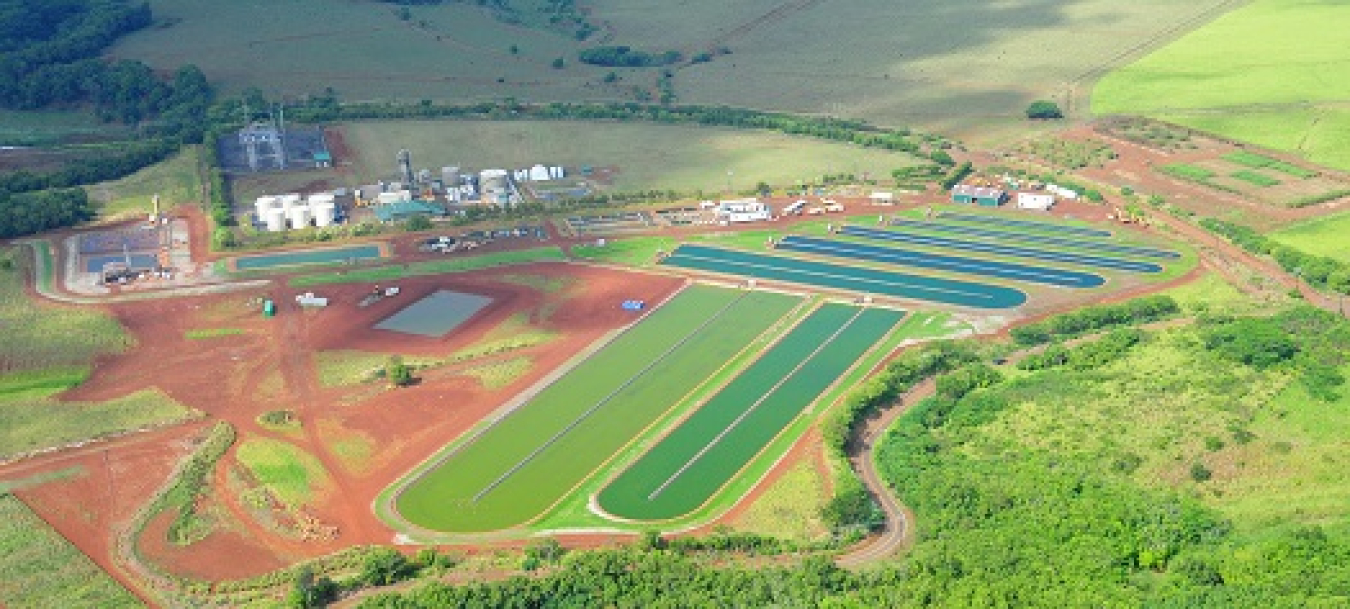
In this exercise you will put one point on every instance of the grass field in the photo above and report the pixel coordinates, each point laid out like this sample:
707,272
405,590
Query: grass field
531,458
689,465
893,63
48,127
39,568
205,333
430,267
1324,236
1260,73
649,156
790,507
293,475
175,180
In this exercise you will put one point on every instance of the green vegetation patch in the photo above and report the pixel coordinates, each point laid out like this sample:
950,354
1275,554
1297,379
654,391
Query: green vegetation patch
496,375
790,507
32,418
519,467
1253,177
431,267
293,475
176,181
690,464
1240,63
211,333
1261,161
39,337
39,568
350,367
1187,172
1325,236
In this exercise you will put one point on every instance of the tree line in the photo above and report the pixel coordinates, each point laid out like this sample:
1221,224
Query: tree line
1319,271
829,128
1093,318
623,56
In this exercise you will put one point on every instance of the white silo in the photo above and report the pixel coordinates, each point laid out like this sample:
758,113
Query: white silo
275,218
290,200
262,204
324,213
323,207
299,216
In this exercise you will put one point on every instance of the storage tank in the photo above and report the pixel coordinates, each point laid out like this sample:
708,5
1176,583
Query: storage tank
325,213
386,198
262,204
299,216
539,173
275,218
290,200
493,180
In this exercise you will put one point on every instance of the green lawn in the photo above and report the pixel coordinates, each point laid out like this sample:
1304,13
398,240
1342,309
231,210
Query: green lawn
649,156
1324,236
1247,63
687,467
630,382
39,568
430,267
293,475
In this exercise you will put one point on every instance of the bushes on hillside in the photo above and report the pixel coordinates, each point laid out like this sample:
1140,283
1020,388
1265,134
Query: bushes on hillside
1318,271
1099,317
1088,355
622,56
954,177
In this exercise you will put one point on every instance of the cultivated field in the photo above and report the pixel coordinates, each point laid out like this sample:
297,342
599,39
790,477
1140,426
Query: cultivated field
39,568
519,467
647,156
685,469
1272,72
894,63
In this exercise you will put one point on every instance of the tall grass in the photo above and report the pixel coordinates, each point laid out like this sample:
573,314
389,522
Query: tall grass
39,568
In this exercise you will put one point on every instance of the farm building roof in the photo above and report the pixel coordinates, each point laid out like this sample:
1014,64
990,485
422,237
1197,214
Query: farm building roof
981,192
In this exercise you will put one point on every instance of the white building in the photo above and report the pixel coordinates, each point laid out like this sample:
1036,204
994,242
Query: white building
882,198
1032,200
742,210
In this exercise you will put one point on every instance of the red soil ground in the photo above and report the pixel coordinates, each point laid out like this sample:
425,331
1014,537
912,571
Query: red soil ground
271,366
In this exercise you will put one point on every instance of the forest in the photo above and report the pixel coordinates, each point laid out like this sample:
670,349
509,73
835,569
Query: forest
49,58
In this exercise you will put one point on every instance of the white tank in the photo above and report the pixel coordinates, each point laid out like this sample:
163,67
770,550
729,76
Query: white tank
325,213
290,200
262,204
275,218
299,216
386,198
539,173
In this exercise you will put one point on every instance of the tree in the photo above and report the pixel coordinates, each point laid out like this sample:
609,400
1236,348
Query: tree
418,222
384,566
398,373
1044,110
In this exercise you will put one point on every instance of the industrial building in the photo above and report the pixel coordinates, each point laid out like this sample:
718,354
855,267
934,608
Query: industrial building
1031,200
742,210
983,196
